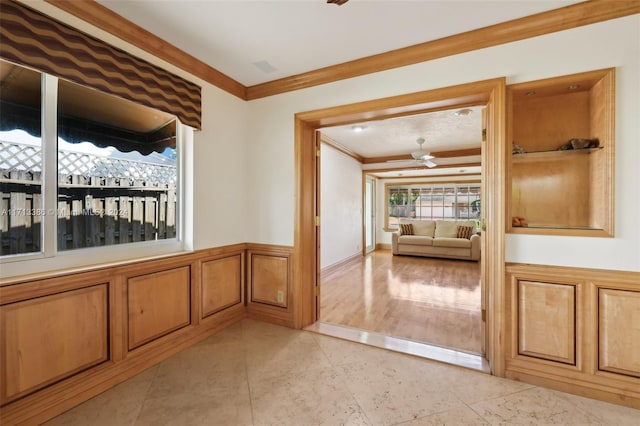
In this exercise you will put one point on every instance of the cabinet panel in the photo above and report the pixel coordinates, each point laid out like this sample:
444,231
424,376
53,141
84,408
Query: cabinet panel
269,279
619,329
158,304
49,338
546,321
221,284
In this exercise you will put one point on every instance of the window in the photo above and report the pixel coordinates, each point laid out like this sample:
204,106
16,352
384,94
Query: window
109,167
432,202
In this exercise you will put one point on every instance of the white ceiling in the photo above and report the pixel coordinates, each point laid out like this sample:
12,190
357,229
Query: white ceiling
296,36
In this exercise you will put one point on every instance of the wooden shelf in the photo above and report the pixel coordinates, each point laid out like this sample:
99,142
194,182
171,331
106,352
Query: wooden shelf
553,154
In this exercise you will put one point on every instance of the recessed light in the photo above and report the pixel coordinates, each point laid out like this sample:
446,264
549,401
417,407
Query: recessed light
463,112
574,86
530,93
358,128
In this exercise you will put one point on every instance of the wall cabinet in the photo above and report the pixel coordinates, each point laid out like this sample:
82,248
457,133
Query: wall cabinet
555,190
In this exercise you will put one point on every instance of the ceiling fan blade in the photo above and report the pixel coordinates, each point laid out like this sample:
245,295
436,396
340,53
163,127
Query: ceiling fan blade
338,2
430,164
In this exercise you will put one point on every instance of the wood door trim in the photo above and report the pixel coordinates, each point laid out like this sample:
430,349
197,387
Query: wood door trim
490,92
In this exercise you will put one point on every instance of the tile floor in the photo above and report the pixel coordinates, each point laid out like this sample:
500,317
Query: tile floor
255,373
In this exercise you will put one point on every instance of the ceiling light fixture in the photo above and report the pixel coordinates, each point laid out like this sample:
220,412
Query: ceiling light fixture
574,86
463,112
358,128
530,93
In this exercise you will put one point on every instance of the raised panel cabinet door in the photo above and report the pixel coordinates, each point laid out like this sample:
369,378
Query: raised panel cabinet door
619,328
158,303
547,321
50,338
269,279
221,284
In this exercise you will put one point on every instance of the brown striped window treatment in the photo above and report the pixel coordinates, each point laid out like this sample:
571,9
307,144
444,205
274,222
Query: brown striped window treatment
34,40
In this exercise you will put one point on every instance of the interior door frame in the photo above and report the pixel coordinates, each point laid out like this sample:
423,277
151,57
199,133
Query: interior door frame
374,185
491,93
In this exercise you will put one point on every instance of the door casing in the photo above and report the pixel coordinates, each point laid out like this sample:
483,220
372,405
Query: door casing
491,93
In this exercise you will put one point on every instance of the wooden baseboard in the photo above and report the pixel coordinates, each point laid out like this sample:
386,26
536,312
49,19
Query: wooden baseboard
336,266
383,246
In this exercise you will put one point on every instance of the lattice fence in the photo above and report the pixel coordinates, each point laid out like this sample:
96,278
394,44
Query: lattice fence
101,200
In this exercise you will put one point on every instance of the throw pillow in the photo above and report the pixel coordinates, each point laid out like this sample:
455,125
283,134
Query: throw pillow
406,229
465,232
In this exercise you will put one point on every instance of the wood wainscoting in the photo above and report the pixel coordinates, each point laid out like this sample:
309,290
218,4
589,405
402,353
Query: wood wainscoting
269,279
574,329
66,336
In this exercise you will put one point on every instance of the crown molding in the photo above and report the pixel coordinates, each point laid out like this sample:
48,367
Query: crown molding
564,18
568,17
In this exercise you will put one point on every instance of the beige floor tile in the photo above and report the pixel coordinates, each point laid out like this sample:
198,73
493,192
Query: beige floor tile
275,351
536,406
610,414
397,390
119,405
472,386
315,397
222,406
458,417
259,373
202,369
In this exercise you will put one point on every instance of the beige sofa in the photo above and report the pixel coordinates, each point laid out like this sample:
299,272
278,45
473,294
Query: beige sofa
437,238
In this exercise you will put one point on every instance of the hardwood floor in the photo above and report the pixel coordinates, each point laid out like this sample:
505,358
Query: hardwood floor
429,300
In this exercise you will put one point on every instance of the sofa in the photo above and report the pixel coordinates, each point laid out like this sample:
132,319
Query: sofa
452,239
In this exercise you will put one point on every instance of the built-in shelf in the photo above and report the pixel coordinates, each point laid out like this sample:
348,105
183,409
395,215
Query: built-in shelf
562,192
554,153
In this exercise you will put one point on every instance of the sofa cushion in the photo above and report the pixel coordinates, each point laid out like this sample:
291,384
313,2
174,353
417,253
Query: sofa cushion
426,228
449,228
465,232
451,242
406,229
415,240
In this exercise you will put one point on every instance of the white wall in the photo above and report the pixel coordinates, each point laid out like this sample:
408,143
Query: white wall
384,237
613,43
221,202
340,206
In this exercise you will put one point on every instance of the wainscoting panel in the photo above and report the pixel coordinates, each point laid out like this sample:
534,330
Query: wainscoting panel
619,327
269,272
269,280
158,303
546,323
47,339
222,283
575,330
113,321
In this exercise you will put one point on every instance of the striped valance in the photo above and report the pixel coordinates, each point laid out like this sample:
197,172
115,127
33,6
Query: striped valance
31,39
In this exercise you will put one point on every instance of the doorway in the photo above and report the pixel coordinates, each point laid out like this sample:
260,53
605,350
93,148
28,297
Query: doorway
490,93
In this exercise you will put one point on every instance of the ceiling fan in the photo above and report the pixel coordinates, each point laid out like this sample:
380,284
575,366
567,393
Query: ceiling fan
338,2
422,157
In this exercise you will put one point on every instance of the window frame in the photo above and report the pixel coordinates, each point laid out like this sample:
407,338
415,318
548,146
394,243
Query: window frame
49,257
419,186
